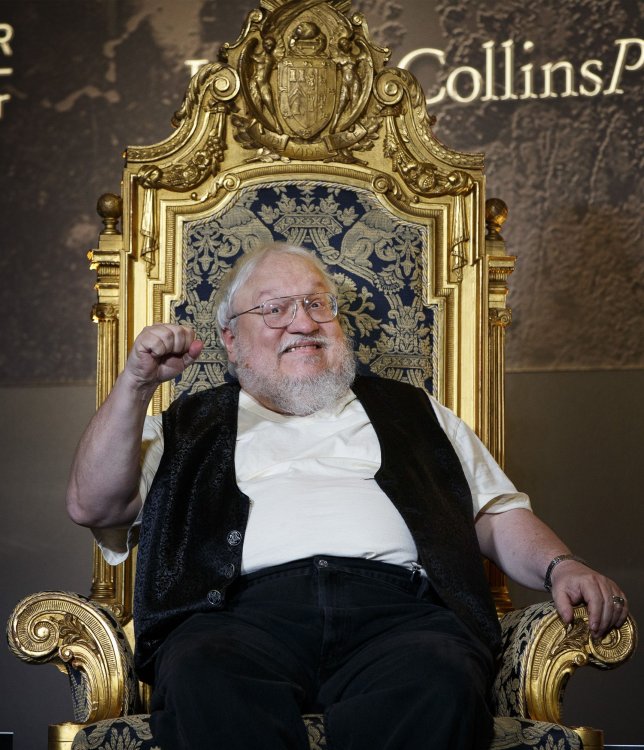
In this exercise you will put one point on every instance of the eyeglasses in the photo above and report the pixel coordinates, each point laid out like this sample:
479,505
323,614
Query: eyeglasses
280,312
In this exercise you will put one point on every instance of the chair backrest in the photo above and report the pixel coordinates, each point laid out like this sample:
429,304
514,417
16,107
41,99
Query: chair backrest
300,133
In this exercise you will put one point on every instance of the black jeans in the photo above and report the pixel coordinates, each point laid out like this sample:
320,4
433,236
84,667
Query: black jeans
365,643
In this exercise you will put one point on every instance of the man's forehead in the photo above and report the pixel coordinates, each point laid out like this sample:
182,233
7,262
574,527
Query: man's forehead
282,275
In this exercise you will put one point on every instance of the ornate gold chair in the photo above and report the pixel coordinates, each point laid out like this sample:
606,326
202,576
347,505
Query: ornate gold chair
301,134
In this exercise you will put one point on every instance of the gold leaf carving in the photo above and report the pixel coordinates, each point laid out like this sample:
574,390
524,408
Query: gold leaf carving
306,74
556,651
179,177
422,177
73,633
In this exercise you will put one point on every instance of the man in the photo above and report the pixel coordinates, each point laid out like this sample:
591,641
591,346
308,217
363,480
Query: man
310,542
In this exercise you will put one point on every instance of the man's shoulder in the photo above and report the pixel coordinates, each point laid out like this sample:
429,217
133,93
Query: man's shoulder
393,396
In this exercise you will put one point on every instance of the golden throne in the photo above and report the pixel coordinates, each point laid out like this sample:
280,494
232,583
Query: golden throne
300,133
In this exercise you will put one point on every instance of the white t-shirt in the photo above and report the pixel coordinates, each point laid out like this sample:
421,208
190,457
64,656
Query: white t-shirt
311,485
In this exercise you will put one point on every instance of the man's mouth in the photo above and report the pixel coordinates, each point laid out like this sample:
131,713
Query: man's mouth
303,345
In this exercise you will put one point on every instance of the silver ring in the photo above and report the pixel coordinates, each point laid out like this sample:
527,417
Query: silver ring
618,601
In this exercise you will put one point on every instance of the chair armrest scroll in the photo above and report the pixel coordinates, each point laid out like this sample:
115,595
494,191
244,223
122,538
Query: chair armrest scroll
540,654
83,640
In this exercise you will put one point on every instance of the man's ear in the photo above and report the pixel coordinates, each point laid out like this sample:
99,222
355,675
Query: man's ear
228,337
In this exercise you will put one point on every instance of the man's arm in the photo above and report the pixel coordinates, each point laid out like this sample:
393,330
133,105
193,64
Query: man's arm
523,547
103,486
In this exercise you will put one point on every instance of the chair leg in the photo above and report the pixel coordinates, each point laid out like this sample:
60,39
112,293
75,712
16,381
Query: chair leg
593,739
60,736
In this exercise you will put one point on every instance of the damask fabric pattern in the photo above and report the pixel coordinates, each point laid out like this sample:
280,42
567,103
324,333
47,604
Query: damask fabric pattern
517,629
379,263
133,733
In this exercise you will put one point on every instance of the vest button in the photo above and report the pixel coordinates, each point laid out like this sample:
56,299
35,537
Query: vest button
228,570
215,598
234,538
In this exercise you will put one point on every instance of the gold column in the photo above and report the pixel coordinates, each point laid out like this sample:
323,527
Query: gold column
109,583
500,266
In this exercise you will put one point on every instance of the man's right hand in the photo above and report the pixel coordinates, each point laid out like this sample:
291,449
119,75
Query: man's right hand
161,352
104,481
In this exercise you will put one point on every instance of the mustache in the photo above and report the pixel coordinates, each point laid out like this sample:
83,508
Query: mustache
296,341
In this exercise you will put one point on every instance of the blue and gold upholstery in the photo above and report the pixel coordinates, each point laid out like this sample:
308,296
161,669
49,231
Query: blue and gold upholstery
377,260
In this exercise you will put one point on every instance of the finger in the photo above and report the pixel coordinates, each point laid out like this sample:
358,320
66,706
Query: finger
194,351
166,340
620,609
617,605
600,610
565,607
614,611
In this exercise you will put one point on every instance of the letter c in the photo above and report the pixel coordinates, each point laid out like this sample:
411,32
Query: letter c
412,56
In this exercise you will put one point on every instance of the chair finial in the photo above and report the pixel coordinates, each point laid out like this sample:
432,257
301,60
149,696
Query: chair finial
110,208
496,212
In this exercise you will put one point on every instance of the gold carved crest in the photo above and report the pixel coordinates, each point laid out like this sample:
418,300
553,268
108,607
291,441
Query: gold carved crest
306,95
307,73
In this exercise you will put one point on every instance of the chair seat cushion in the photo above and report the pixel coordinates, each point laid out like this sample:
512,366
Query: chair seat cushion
133,733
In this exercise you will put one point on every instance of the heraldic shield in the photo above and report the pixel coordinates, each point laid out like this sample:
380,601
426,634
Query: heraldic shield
306,94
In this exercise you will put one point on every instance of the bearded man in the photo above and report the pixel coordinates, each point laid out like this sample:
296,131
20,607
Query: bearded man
310,541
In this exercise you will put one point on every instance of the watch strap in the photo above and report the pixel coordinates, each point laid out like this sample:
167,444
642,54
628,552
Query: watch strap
547,581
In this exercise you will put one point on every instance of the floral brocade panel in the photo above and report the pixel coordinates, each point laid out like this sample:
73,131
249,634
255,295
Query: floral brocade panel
378,261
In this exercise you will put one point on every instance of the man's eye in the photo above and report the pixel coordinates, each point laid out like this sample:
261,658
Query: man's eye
317,303
273,309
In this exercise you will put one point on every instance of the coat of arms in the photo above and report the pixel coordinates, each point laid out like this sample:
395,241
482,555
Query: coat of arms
307,82
306,91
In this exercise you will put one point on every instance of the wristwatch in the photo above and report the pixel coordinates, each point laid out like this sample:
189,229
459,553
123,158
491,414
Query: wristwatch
547,581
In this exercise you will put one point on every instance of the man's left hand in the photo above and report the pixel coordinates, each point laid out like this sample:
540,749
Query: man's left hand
574,583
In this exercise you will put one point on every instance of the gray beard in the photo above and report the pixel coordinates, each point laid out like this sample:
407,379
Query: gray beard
299,396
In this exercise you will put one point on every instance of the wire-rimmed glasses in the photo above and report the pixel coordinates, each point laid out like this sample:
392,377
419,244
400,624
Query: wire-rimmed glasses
280,312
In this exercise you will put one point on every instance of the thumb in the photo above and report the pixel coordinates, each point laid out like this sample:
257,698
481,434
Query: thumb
194,352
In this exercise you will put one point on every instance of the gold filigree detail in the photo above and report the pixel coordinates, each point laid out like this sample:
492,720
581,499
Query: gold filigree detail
500,318
73,633
422,177
306,77
186,176
222,81
556,651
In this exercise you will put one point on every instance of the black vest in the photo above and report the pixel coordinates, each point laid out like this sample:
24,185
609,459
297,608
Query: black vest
195,515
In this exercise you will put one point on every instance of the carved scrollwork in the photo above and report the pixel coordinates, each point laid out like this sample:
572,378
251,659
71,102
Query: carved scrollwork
206,160
83,640
422,177
219,78
102,312
389,88
615,648
500,318
180,177
557,651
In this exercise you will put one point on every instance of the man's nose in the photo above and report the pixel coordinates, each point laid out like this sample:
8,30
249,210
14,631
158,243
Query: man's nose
302,322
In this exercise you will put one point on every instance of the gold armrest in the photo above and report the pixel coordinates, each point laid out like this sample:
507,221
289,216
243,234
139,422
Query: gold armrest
83,640
541,653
